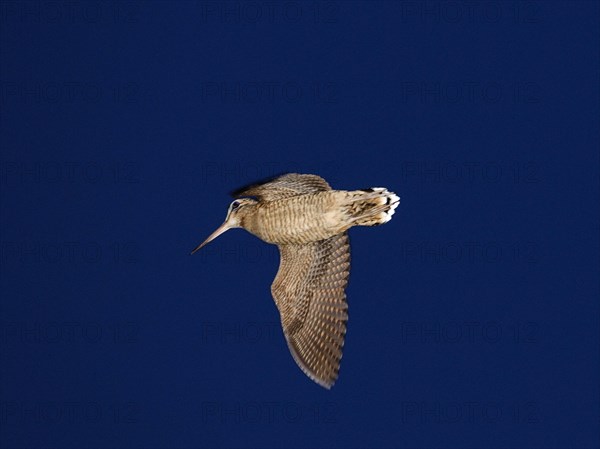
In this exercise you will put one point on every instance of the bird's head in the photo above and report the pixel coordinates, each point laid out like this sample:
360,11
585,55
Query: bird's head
236,213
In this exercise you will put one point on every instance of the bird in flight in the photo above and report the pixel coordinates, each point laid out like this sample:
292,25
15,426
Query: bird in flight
309,223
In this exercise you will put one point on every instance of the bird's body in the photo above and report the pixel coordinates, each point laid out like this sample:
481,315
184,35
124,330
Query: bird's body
308,221
301,219
295,220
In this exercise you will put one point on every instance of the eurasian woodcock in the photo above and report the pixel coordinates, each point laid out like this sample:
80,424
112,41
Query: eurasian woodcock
309,222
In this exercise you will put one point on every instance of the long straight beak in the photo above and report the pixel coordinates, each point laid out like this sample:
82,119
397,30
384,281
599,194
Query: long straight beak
220,230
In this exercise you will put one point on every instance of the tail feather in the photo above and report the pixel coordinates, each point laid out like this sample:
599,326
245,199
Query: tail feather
373,207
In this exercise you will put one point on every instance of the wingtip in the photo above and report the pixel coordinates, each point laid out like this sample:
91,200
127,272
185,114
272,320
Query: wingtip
320,382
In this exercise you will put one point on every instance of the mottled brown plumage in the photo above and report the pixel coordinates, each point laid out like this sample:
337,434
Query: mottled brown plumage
308,221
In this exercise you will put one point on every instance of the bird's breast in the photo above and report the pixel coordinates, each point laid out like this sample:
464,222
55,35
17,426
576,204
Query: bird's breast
297,220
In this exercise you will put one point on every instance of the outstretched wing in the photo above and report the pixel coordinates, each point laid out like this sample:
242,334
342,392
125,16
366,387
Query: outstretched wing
285,186
309,293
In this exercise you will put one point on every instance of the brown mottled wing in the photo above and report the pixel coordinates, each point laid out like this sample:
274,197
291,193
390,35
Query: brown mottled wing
285,186
309,293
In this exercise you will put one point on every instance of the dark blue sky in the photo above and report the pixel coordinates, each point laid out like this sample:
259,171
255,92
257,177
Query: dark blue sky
473,313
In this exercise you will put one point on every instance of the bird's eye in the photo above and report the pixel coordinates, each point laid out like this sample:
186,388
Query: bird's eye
235,205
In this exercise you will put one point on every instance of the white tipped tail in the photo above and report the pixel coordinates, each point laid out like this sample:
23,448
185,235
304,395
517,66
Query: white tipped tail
374,206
